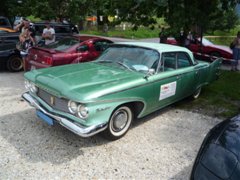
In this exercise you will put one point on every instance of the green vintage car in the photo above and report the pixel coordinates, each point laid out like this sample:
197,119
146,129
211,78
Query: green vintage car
128,81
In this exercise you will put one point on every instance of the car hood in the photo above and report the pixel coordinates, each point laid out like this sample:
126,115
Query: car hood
84,82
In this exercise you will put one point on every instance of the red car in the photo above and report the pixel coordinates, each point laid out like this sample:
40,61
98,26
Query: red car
73,49
207,50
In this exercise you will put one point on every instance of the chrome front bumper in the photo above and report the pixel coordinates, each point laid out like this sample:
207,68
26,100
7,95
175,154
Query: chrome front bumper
76,128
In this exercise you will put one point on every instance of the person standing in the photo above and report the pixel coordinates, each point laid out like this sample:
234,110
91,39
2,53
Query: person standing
48,34
26,39
189,39
182,37
162,36
27,35
236,52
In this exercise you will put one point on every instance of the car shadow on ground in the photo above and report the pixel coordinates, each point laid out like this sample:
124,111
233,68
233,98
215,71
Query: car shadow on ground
183,174
138,121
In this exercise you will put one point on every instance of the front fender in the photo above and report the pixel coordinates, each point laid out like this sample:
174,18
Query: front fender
101,112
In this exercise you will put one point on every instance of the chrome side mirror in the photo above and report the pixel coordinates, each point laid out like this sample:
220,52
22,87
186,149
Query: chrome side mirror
150,73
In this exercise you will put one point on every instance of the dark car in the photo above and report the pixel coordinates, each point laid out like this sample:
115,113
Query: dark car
61,29
219,155
6,30
5,23
69,50
10,57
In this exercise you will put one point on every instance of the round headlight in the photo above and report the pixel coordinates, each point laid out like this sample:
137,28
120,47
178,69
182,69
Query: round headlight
27,84
33,88
72,107
82,111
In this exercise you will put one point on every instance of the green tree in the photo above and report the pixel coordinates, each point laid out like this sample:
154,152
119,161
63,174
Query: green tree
188,14
204,15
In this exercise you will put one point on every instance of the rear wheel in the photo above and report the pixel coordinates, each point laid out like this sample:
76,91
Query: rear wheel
119,123
197,93
15,63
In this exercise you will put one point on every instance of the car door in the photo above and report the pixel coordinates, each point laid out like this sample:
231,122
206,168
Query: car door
166,82
176,78
188,75
92,49
82,53
98,46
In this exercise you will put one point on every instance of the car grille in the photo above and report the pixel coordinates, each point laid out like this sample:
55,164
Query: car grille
53,101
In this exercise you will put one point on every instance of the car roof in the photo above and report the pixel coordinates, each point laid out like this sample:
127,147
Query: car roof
51,24
86,37
157,46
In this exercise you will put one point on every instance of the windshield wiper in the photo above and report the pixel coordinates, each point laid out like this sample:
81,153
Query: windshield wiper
124,65
104,61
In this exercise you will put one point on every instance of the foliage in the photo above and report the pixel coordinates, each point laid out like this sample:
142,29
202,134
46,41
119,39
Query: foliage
201,15
33,18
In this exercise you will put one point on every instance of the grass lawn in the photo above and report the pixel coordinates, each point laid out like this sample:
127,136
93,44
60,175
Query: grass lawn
128,33
219,99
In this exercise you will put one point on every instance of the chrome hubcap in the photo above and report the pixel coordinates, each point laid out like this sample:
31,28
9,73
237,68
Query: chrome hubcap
120,120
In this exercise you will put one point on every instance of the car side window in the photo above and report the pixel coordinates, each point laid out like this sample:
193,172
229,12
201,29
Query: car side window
183,60
62,29
168,61
101,45
39,29
3,22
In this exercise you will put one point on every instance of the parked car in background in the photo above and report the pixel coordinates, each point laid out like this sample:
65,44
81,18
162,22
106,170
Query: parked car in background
10,57
72,49
207,50
61,29
5,23
129,80
6,30
219,154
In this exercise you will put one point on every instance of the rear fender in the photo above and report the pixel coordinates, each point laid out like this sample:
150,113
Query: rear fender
77,60
214,70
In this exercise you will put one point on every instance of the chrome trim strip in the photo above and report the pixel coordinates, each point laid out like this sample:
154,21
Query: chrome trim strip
151,82
74,127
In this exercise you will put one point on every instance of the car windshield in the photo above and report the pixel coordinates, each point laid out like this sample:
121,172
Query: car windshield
130,58
205,42
62,44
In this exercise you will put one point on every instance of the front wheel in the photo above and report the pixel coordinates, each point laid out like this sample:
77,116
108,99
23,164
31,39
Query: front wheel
15,63
119,123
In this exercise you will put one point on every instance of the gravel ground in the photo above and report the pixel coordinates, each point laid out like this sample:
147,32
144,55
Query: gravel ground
160,146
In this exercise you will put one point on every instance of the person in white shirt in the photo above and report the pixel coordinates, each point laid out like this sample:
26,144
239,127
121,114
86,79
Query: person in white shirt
48,34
